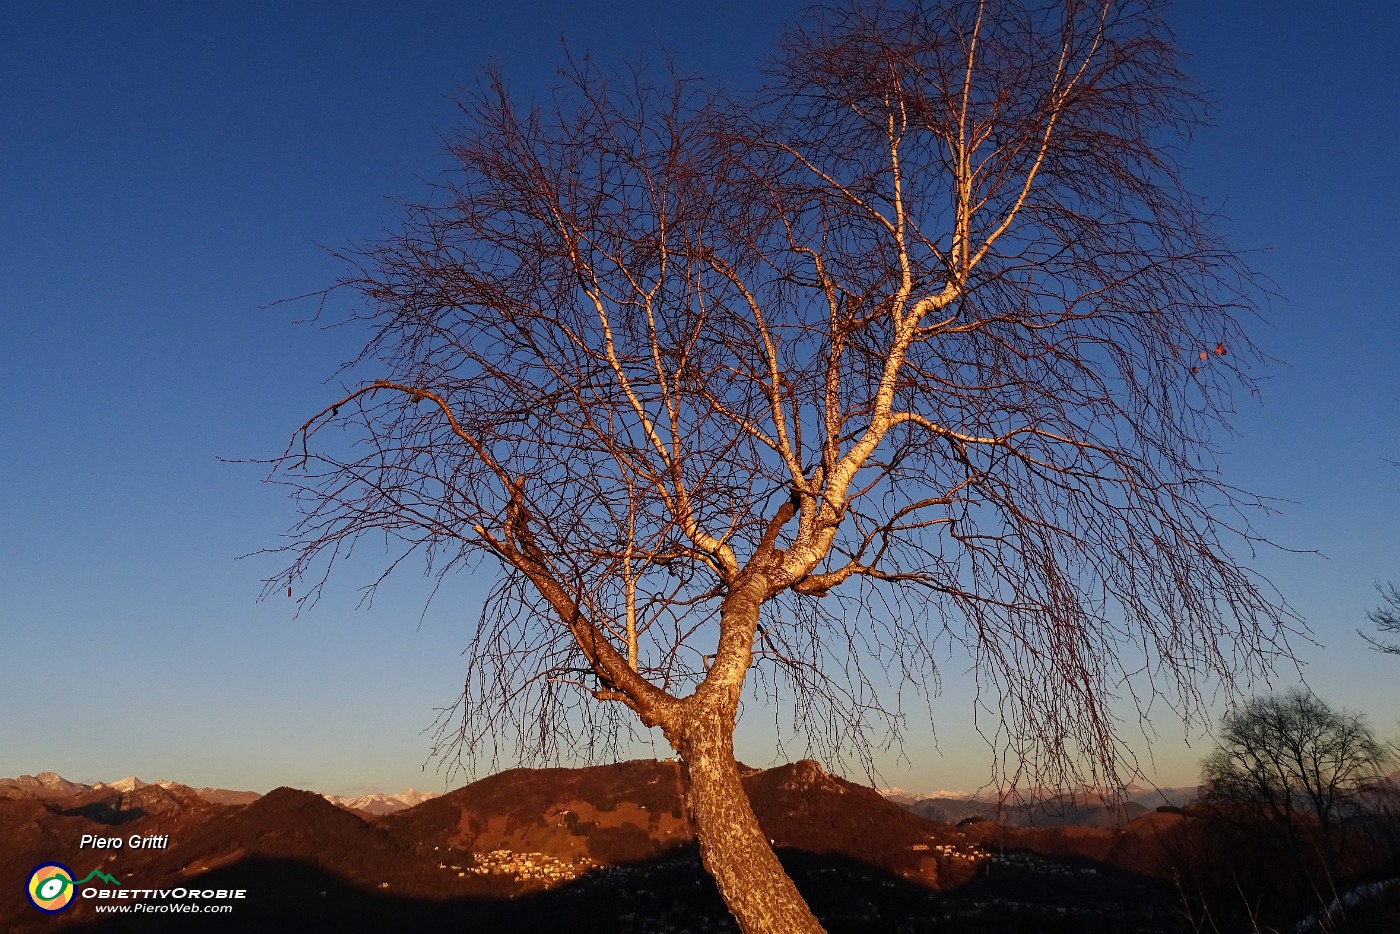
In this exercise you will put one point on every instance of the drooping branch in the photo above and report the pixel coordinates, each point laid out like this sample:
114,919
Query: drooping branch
932,314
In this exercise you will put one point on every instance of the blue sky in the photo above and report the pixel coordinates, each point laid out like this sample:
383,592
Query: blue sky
167,171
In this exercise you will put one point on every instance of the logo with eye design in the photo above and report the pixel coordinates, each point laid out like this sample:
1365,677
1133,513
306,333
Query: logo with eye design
51,888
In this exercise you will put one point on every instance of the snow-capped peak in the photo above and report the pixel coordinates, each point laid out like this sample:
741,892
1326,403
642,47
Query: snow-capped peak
128,784
376,803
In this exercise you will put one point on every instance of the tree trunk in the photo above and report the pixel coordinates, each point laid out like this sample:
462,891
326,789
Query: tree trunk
751,880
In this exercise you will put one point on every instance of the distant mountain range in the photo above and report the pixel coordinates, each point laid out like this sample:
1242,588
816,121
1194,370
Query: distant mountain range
1083,808
50,785
606,848
382,804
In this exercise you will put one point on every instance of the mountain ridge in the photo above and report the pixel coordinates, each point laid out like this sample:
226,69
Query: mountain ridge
614,843
51,785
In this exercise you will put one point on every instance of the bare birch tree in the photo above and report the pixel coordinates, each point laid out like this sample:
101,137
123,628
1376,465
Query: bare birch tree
926,341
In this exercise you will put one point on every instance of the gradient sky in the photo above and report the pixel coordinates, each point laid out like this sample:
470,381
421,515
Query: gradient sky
167,171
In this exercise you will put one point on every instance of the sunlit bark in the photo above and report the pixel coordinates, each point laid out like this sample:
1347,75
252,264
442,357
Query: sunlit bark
909,347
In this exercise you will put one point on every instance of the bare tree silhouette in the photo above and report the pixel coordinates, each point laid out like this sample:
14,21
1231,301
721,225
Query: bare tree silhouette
927,340
1386,617
1292,758
1295,808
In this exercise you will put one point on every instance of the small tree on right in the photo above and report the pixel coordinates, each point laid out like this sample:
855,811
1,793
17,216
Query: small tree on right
1386,617
1292,763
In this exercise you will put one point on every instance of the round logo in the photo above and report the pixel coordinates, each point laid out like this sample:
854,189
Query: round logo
51,887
